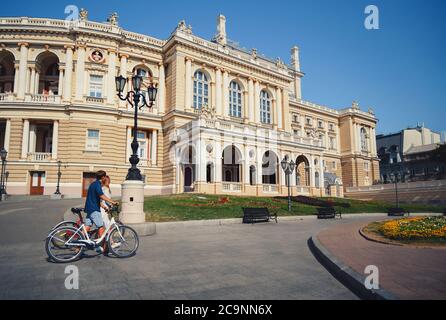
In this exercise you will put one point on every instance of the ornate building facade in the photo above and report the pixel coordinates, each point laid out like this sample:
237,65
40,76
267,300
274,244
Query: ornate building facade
223,120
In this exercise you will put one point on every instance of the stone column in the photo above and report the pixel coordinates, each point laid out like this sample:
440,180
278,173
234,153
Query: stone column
55,145
286,111
68,73
154,149
274,113
33,80
123,72
246,165
218,162
312,171
61,77
25,139
245,106
279,108
256,102
28,80
111,73
373,141
225,102
32,138
321,173
259,167
251,100
80,70
161,89
37,82
22,70
188,84
7,134
218,86
16,78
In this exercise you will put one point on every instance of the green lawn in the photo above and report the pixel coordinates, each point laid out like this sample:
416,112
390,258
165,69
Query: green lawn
198,207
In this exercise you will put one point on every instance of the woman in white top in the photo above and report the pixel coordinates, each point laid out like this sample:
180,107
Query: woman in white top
105,206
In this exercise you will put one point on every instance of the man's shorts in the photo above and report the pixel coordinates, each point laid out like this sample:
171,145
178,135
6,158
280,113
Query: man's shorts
96,218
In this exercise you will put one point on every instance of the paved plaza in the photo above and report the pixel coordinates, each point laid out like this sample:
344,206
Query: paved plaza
263,261
407,272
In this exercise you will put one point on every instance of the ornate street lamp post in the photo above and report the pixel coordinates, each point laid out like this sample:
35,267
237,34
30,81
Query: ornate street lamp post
6,181
132,210
3,155
395,176
288,168
59,174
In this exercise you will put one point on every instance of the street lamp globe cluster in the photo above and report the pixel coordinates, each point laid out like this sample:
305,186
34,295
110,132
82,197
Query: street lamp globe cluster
135,97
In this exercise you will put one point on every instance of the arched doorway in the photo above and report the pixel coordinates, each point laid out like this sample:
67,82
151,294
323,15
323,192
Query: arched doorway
7,72
252,175
187,163
47,66
210,172
231,164
302,171
270,166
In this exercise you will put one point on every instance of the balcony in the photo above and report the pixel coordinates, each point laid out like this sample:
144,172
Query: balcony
6,97
270,188
43,98
94,100
303,190
39,156
232,186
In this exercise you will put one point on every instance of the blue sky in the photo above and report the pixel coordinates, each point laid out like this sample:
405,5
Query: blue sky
398,70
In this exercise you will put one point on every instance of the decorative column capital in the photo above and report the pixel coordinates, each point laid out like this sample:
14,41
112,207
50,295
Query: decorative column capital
81,46
124,55
112,50
69,46
188,59
20,44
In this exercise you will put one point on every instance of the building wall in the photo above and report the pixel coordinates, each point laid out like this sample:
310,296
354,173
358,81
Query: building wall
172,64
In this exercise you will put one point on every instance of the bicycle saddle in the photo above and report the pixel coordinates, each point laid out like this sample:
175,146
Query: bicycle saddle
77,210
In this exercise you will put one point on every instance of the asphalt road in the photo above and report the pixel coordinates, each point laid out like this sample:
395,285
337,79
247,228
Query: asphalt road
262,261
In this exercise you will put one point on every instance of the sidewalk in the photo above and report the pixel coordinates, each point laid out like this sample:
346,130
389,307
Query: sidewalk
406,272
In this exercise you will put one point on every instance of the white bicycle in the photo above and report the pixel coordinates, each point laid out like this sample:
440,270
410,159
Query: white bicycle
67,243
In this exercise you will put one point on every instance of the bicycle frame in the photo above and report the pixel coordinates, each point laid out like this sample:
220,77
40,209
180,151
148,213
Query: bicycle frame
88,241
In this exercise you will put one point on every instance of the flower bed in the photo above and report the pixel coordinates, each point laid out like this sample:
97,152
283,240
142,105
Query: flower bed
419,228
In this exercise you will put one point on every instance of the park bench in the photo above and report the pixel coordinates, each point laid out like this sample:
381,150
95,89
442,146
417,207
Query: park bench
397,212
328,213
252,215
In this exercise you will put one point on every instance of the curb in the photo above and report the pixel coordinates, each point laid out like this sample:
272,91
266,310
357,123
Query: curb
344,274
365,236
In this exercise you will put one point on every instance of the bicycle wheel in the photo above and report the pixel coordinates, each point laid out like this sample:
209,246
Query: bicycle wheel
123,242
67,236
63,251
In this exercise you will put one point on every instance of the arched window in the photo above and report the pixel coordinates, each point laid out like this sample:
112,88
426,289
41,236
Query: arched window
144,73
201,90
209,173
363,140
265,107
235,100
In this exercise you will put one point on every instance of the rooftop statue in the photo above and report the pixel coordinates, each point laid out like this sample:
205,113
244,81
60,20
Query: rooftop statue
113,19
83,14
